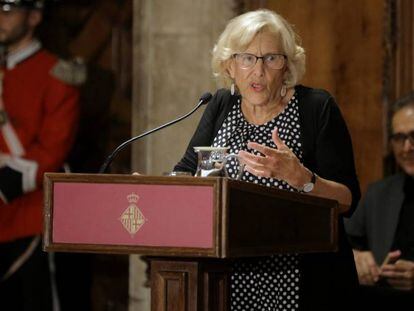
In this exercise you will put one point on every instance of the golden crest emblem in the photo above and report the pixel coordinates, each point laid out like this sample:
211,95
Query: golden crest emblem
132,218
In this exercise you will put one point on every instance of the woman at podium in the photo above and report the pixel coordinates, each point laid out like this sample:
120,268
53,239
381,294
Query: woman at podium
288,136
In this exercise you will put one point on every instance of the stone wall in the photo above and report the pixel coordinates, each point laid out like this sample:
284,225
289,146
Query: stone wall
172,50
172,44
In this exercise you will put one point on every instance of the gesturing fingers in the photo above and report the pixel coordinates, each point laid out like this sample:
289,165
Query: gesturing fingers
264,150
252,160
257,172
280,163
255,164
280,144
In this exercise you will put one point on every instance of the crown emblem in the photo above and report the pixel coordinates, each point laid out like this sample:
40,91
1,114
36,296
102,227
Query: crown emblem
132,198
132,218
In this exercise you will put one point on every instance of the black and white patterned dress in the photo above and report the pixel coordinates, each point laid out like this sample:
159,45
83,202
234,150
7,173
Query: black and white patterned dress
267,283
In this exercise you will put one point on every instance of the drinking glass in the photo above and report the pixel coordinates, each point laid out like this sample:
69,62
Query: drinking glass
212,162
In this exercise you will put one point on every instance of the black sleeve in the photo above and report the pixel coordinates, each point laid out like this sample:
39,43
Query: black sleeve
334,152
203,135
11,184
355,226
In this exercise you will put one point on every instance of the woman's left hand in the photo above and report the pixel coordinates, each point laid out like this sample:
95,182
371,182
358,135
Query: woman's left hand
280,163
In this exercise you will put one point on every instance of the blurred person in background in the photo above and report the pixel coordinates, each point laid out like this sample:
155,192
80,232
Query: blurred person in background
381,230
38,121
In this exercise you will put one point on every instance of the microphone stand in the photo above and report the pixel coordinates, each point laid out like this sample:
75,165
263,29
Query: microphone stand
203,100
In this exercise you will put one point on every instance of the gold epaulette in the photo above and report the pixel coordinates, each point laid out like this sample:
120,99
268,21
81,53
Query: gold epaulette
72,72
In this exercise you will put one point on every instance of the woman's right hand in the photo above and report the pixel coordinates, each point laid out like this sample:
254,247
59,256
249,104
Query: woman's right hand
367,268
279,163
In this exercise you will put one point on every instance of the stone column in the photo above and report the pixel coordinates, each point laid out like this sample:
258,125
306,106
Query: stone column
172,47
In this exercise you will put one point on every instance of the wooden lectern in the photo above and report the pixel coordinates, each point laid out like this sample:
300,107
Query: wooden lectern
190,227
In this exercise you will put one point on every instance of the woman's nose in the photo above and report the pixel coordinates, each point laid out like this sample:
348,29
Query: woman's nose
259,67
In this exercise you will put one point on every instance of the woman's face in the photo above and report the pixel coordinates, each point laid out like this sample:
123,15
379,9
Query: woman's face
259,85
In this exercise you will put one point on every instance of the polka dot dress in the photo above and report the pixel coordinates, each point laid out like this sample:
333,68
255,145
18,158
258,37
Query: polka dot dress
266,283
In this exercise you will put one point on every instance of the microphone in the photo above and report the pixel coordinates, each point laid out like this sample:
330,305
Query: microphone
204,99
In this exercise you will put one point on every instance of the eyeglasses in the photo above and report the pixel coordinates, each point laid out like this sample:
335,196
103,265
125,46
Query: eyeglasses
272,61
400,138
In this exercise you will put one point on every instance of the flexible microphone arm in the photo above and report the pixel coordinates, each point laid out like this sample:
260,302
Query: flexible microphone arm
204,99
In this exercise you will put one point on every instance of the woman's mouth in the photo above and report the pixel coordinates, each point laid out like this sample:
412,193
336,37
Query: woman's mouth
257,87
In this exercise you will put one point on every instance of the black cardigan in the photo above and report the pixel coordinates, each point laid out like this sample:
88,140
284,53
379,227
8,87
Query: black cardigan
327,148
327,151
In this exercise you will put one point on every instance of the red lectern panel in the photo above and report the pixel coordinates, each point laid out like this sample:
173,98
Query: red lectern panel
127,214
106,213
183,217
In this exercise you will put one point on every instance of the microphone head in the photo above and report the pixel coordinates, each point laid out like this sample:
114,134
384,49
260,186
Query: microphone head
205,98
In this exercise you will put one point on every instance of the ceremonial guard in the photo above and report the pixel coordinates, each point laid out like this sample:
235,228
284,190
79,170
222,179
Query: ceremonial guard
38,120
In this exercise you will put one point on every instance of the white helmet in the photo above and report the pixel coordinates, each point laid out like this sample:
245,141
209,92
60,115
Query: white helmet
7,5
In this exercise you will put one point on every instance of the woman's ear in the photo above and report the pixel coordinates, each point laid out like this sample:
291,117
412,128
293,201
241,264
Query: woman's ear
286,71
230,67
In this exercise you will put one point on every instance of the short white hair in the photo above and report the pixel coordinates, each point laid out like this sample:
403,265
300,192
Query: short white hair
241,31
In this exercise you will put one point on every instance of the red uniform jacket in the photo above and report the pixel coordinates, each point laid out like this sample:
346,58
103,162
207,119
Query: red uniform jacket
42,115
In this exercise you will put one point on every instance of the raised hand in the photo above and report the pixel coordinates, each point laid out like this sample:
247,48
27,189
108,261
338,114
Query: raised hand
280,163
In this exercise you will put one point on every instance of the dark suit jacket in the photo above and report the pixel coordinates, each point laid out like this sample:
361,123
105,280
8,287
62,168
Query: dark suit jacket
374,223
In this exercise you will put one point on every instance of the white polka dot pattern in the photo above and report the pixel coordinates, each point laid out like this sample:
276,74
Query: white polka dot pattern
267,283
